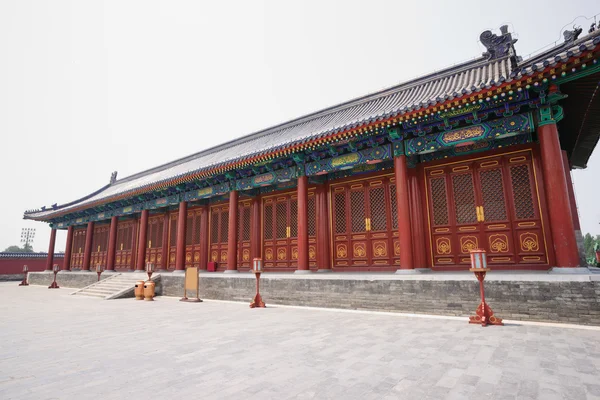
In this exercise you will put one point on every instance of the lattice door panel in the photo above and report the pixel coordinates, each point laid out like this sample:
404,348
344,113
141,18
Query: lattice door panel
173,239
78,248
493,213
381,248
193,238
529,237
488,203
362,224
99,246
154,240
126,240
219,230
244,213
280,247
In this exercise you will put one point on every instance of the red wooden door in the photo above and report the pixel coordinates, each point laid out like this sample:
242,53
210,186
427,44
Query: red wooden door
125,246
154,240
490,203
364,225
244,217
172,240
280,231
78,248
192,239
219,229
99,246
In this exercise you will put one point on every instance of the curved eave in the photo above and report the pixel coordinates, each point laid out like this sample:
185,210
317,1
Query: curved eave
529,73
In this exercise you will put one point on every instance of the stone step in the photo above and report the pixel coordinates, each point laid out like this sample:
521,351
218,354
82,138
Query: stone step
90,294
116,284
98,291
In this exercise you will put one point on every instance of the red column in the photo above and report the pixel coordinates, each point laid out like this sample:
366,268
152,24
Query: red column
181,225
233,232
87,251
112,244
164,262
302,191
255,236
141,254
416,208
323,239
572,200
557,195
204,237
68,249
402,197
50,258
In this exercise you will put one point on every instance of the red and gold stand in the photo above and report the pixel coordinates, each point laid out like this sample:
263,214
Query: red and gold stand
257,302
25,272
54,285
484,314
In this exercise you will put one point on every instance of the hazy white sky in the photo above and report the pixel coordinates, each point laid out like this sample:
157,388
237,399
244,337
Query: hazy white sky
90,87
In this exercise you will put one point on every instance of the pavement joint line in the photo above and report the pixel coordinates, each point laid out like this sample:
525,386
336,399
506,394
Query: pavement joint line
508,322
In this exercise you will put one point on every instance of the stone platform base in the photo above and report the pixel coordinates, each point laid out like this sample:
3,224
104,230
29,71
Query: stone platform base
520,296
70,279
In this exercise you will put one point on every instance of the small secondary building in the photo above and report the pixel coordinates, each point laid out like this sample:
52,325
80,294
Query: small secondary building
475,156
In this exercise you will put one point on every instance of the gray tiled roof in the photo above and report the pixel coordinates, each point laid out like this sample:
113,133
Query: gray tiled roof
464,79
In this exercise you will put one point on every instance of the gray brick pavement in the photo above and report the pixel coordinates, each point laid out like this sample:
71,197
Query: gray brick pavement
56,346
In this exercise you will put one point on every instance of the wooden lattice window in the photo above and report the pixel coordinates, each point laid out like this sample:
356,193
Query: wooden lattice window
281,220
394,205
492,190
312,216
521,188
173,238
464,199
377,209
224,225
197,219
245,224
268,228
294,218
214,228
340,212
357,211
189,230
440,201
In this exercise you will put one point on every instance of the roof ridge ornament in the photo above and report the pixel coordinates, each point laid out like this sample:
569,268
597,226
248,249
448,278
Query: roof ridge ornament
571,36
113,177
498,46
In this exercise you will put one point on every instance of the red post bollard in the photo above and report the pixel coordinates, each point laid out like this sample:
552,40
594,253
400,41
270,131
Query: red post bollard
483,314
54,285
257,302
149,270
25,272
99,270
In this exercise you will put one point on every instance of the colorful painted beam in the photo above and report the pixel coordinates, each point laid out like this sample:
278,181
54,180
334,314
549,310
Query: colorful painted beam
493,130
348,161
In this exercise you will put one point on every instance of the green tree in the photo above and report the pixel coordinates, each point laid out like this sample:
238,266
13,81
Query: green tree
16,249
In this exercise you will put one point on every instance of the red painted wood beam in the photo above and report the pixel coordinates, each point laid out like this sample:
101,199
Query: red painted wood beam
557,195
141,251
255,234
302,191
203,237
68,249
50,258
181,227
323,254
112,244
87,251
232,234
402,196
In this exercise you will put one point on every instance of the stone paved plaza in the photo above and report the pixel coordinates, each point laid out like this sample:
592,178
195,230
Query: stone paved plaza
56,346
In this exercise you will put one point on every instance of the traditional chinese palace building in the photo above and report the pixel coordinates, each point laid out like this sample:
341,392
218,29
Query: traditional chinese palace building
474,156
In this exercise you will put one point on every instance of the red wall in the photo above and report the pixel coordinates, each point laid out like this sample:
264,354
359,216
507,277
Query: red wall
15,265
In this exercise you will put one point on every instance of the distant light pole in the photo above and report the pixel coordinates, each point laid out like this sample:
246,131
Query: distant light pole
27,235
